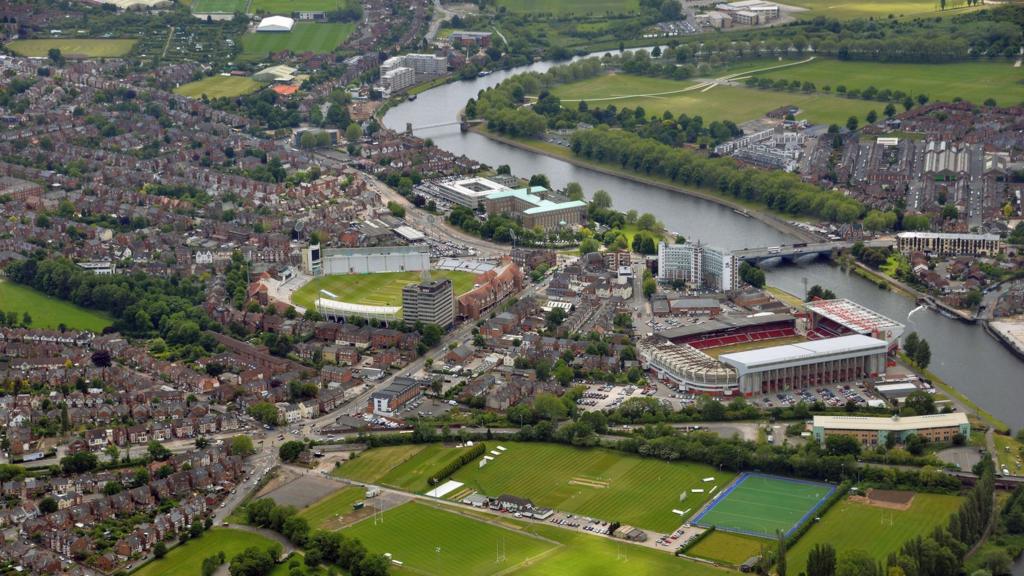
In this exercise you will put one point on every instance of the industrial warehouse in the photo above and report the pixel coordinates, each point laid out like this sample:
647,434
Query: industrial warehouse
844,343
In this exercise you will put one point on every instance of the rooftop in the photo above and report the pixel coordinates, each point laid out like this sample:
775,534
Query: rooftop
724,323
948,235
804,350
540,205
895,423
852,315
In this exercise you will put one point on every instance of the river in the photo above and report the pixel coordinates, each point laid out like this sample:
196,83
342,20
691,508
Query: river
963,355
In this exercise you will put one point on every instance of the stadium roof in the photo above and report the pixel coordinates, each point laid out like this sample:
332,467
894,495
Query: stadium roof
275,24
370,251
853,316
948,236
894,423
409,233
752,359
724,323
352,309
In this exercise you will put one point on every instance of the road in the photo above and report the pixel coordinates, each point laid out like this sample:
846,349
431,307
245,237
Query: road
440,15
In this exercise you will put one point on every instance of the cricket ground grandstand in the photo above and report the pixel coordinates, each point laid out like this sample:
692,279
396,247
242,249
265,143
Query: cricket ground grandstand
317,261
338,311
764,353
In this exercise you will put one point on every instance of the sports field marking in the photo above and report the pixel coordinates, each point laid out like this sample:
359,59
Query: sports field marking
588,483
758,505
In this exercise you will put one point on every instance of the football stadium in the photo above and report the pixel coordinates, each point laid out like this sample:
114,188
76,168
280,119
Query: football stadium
765,353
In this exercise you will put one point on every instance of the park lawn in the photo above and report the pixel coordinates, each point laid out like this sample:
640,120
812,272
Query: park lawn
218,6
188,558
314,37
47,311
286,7
851,525
321,513
584,554
631,230
729,548
384,289
736,103
972,81
414,472
600,483
219,87
1008,452
432,541
565,7
73,47
850,9
744,346
372,465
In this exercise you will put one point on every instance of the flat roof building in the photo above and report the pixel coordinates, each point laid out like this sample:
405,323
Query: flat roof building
390,399
875,431
430,302
275,24
468,192
532,209
808,364
948,243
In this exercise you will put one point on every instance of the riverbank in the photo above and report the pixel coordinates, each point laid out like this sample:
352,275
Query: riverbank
749,210
941,384
1010,344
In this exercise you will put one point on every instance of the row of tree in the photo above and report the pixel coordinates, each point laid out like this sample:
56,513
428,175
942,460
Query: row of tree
777,190
466,457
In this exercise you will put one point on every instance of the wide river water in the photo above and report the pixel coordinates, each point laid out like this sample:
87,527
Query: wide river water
962,354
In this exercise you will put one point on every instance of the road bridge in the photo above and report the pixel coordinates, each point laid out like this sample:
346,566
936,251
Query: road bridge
463,124
791,252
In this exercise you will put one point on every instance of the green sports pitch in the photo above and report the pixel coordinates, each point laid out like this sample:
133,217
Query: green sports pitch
316,37
596,482
761,505
218,6
431,541
384,289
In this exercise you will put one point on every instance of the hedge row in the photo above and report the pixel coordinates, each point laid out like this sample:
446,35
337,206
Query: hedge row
463,459
694,541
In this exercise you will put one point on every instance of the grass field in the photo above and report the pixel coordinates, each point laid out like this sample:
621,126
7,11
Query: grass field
973,81
304,37
735,103
218,6
595,482
372,465
744,346
586,555
286,7
374,289
49,312
761,505
728,548
219,87
73,47
413,533
188,559
404,467
577,7
849,9
1008,452
320,514
850,526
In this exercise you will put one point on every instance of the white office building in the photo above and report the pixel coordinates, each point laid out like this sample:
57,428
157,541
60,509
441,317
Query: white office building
700,265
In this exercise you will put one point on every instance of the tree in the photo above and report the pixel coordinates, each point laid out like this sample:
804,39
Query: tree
112,487
922,403
855,563
817,292
241,445
650,287
78,463
540,180
158,451
353,133
851,123
872,117
289,451
264,412
55,56
821,561
780,558
554,318
573,190
601,200
48,505
431,335
923,355
890,110
910,344
842,445
253,561
101,358
160,550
